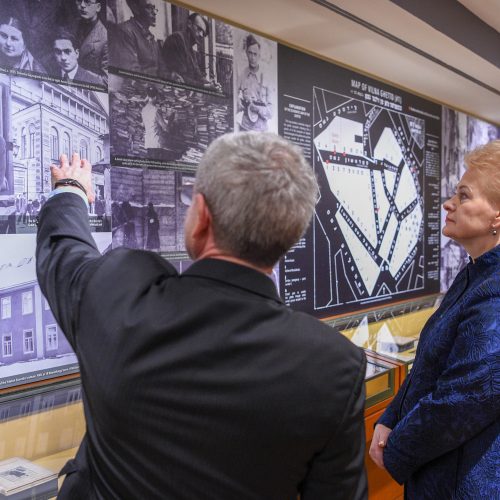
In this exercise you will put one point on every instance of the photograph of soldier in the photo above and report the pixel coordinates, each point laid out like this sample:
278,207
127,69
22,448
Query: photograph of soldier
255,93
163,123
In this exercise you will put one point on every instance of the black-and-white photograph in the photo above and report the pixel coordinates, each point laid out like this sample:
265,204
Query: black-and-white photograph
480,132
255,83
45,120
156,38
461,133
162,125
149,207
32,345
56,40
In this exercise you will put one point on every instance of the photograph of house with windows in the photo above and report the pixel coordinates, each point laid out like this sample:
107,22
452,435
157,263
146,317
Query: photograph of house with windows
32,346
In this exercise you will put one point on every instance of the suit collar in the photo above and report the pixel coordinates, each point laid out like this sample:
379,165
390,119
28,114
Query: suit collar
236,275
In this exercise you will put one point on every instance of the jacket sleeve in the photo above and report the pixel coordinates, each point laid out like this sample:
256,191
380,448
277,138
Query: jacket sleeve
466,399
66,257
338,471
125,49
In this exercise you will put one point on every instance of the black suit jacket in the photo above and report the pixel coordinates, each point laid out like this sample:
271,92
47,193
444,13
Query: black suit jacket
202,385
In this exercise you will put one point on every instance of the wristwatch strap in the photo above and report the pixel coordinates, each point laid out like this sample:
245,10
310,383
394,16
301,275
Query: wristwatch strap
70,182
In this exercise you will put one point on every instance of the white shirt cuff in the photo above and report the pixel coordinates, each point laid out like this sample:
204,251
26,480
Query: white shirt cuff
70,189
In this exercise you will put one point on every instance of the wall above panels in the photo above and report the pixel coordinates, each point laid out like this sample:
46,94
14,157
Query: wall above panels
383,39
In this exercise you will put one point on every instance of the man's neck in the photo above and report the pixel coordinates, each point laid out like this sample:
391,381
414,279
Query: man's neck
143,24
217,254
71,74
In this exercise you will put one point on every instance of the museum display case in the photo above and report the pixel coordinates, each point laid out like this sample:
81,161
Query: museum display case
380,381
42,428
391,332
389,335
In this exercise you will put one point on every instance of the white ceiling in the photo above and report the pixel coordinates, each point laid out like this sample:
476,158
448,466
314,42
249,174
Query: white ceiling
318,30
487,10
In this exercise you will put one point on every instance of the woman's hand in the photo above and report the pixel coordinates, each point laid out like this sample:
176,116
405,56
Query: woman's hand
379,441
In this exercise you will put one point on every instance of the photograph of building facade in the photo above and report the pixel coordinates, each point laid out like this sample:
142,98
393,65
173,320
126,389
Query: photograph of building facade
31,341
48,120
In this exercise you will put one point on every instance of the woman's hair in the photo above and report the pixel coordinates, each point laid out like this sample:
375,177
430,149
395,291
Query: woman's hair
261,193
16,23
486,161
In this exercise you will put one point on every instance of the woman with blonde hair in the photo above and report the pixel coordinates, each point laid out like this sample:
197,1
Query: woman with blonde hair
441,433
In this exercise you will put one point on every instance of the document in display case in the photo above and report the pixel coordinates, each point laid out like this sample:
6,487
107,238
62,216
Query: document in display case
21,479
390,332
41,429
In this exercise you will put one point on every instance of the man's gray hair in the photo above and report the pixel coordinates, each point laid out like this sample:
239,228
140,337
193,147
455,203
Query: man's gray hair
261,193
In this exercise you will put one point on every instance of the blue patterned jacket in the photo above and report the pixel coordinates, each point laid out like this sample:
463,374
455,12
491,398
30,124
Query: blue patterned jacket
445,442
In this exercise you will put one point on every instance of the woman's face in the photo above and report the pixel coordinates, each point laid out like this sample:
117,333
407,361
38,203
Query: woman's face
11,41
469,214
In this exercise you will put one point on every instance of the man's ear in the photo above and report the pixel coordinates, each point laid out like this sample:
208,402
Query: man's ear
203,217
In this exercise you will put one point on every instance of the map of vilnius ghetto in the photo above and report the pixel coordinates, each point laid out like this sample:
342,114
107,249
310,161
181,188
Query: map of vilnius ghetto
369,220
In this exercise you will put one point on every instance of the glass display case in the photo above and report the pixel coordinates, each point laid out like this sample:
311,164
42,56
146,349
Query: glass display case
379,381
391,332
41,429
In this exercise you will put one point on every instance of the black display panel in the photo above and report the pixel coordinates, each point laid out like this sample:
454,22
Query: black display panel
375,150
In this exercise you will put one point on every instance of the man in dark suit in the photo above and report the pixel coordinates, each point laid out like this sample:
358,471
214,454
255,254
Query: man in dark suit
205,385
66,56
133,45
93,38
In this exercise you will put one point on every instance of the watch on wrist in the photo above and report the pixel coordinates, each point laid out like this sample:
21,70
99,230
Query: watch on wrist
70,182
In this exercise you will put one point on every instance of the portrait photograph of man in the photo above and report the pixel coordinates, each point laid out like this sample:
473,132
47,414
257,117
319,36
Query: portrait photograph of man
35,35
255,83
156,38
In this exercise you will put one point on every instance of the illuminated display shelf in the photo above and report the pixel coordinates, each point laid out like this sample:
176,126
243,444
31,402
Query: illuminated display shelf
44,425
391,332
